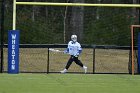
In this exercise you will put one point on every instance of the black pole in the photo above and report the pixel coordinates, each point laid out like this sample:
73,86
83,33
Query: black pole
139,31
48,63
2,32
93,60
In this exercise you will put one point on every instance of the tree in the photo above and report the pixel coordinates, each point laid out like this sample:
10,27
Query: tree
75,20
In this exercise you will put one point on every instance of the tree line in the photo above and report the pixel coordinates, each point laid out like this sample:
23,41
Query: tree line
55,24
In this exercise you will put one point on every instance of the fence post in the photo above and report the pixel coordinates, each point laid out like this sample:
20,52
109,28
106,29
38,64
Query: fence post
2,32
139,52
48,63
93,59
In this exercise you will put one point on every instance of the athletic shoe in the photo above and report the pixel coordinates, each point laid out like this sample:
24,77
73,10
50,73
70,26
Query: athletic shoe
85,69
63,71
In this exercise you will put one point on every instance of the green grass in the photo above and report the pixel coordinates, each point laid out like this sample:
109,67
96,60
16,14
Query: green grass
69,83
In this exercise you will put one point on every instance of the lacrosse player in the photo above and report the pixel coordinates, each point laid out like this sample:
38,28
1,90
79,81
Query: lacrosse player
74,49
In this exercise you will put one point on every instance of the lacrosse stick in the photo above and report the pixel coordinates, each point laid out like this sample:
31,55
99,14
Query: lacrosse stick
55,50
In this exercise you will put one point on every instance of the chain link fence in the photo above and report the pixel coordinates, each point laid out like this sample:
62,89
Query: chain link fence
98,59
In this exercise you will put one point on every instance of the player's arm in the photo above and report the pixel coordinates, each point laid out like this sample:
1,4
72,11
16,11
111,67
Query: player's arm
67,49
79,51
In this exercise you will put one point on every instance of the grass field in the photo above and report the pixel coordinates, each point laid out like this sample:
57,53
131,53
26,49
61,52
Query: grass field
69,83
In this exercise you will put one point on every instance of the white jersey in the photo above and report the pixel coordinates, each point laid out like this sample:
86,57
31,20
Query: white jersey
74,48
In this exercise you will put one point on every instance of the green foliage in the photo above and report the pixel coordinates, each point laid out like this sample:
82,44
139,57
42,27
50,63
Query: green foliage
111,28
45,25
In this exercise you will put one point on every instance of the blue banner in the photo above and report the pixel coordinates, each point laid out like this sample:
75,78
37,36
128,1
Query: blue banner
13,51
139,52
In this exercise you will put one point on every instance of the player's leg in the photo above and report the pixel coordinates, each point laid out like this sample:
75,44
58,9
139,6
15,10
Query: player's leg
71,59
78,62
